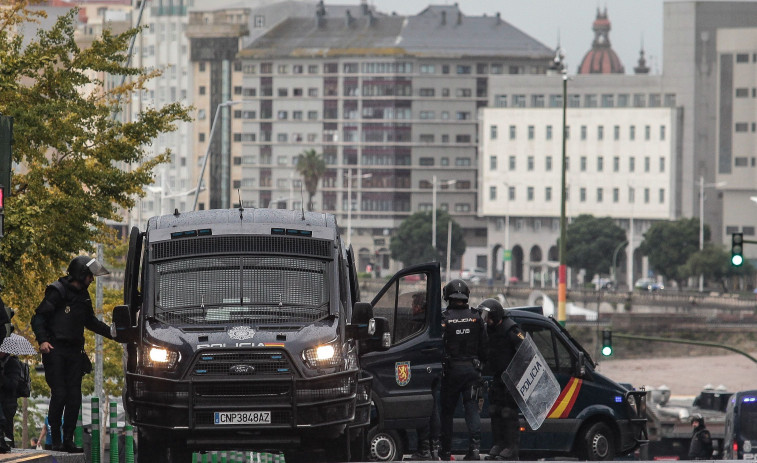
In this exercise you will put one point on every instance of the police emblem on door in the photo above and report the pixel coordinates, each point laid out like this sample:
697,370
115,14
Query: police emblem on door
402,373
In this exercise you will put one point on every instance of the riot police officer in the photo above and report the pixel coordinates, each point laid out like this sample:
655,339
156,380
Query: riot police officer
58,325
504,339
465,350
700,447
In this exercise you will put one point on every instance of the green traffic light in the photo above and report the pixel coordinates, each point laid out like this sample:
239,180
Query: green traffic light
737,260
607,351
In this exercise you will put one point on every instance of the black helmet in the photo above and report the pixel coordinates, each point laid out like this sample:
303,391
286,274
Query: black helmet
82,266
697,417
492,309
456,289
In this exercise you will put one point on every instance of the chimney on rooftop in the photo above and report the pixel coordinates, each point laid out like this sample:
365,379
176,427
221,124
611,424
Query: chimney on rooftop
349,20
444,18
320,13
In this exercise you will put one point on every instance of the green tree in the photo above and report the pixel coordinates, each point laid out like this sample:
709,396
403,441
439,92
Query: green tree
670,244
591,242
311,166
713,262
412,242
78,165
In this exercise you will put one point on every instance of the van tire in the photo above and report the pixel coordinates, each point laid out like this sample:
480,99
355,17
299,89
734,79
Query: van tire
384,445
598,443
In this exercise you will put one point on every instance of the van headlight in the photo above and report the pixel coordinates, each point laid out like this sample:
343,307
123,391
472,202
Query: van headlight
159,358
327,355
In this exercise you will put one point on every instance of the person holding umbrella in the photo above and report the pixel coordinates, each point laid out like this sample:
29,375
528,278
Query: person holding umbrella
58,324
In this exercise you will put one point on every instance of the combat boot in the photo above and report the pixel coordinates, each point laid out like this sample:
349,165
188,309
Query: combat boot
4,447
435,450
69,447
424,451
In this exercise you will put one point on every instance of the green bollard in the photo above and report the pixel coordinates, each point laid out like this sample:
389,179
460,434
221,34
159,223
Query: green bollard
95,430
79,431
223,457
129,444
113,433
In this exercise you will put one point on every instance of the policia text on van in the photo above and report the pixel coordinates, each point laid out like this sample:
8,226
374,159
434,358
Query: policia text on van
244,332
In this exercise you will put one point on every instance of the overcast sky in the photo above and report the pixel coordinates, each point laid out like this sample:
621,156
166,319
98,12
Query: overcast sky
632,21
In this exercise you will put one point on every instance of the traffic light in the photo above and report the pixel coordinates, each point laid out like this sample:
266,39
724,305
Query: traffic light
607,343
737,249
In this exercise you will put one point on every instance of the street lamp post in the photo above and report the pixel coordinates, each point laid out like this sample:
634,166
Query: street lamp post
350,179
433,207
210,143
702,186
507,233
562,288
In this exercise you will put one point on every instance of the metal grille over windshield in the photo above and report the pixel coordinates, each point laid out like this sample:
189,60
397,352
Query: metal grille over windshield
259,290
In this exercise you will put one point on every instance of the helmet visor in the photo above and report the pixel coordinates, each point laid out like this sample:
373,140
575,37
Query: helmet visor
459,296
97,268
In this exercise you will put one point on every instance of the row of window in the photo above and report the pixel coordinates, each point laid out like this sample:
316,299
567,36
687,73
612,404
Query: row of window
582,194
584,132
583,163
368,160
743,92
459,207
590,100
391,67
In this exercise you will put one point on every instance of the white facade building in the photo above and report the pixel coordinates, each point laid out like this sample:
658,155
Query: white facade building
620,163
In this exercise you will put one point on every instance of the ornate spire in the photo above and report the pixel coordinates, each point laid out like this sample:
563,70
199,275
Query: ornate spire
641,67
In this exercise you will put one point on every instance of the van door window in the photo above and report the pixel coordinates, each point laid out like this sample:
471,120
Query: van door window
555,352
405,308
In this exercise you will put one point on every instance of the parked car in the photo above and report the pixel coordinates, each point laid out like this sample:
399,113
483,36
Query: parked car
648,284
603,283
474,275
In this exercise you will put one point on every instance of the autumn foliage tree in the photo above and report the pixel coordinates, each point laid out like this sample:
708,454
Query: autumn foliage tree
78,162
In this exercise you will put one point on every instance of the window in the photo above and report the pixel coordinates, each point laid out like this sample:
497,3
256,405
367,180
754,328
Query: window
616,164
426,138
202,90
297,115
462,139
600,195
530,163
747,230
492,193
582,195
531,131
632,132
350,68
600,163
600,132
646,195
282,137
647,132
428,69
282,115
511,193
583,163
444,162
584,132
615,195
623,100
537,101
631,195
742,58
500,101
259,21
427,115
296,92
548,194
426,92
312,92
662,164
647,164
548,163
282,69
631,164
283,91
463,93
462,207
463,69
496,68
445,92
655,100
519,101
462,115
492,162
662,196
512,132
616,132
639,100
202,66
740,161
297,69
201,137
462,162
530,193
312,115
608,100
445,115
590,101
742,127
426,161
549,132
555,101
493,132
742,93
511,163
445,138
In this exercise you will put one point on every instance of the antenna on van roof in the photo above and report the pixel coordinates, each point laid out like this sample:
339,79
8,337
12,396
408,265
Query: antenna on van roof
302,202
241,208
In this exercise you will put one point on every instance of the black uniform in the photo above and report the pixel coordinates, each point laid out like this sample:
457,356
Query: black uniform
504,340
10,377
465,350
700,447
60,320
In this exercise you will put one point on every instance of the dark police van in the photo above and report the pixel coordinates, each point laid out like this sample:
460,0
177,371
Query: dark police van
740,436
243,330
594,418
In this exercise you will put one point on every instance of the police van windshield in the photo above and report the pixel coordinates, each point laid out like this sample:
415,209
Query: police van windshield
748,418
256,290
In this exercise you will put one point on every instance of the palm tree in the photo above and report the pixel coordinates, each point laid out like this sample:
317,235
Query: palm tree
311,166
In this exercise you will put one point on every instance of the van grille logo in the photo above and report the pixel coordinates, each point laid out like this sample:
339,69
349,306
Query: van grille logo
241,370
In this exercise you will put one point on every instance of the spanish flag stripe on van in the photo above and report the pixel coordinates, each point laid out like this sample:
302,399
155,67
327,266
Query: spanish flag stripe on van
567,398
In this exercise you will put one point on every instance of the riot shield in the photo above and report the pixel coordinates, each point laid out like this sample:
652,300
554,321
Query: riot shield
531,383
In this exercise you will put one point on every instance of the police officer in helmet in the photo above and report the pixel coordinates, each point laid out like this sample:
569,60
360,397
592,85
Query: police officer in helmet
465,349
700,447
504,339
58,325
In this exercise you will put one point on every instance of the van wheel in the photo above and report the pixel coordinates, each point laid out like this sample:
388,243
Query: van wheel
598,443
384,445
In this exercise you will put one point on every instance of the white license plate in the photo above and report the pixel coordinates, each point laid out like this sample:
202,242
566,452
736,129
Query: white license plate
222,418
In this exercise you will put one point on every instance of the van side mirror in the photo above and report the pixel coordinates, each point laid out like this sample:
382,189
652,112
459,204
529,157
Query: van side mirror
363,325
122,322
380,340
580,370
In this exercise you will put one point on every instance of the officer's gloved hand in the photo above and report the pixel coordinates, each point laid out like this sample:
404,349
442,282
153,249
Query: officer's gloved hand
113,331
